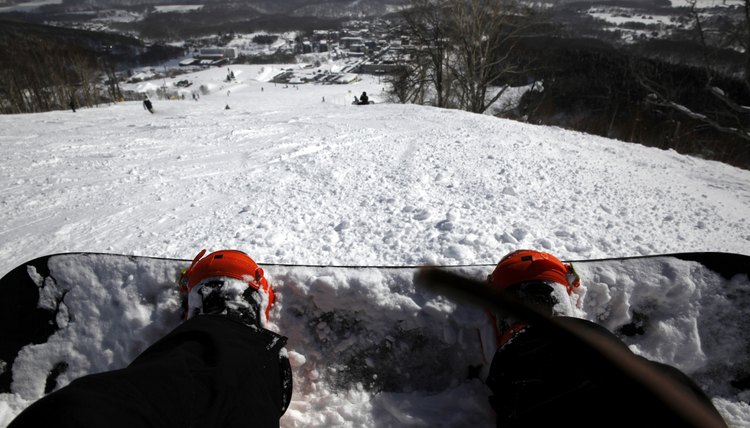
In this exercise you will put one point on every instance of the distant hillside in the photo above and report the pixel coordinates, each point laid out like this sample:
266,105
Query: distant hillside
214,17
56,68
82,38
118,49
320,9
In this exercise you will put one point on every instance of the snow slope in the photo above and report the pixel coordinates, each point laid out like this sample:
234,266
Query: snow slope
299,175
293,179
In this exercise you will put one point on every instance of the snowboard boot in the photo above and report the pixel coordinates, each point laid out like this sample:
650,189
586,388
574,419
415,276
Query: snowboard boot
228,297
227,282
538,294
548,297
538,279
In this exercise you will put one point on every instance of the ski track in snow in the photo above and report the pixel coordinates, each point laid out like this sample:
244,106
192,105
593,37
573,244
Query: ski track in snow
290,179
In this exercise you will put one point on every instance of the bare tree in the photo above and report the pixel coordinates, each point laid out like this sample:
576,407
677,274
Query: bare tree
408,81
465,51
726,113
486,36
111,82
427,27
44,75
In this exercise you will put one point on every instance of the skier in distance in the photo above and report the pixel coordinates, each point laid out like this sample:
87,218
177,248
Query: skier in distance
147,104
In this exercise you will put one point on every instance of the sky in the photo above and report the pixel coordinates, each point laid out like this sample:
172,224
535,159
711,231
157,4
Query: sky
299,175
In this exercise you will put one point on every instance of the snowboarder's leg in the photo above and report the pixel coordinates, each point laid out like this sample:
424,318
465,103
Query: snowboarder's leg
219,368
539,380
540,377
209,371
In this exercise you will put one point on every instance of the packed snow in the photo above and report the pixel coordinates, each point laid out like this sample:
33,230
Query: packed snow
369,348
296,174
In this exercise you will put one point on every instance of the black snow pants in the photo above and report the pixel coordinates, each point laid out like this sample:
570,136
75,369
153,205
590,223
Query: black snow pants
211,371
538,379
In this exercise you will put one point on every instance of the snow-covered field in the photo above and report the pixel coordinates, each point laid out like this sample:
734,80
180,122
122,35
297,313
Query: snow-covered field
177,8
705,4
299,175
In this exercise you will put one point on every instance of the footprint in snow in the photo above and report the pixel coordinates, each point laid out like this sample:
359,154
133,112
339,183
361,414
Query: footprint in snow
444,225
421,215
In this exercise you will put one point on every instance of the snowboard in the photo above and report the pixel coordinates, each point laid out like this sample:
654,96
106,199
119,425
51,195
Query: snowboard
368,328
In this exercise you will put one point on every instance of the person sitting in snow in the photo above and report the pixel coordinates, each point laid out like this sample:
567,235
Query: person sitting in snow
540,379
220,367
363,99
